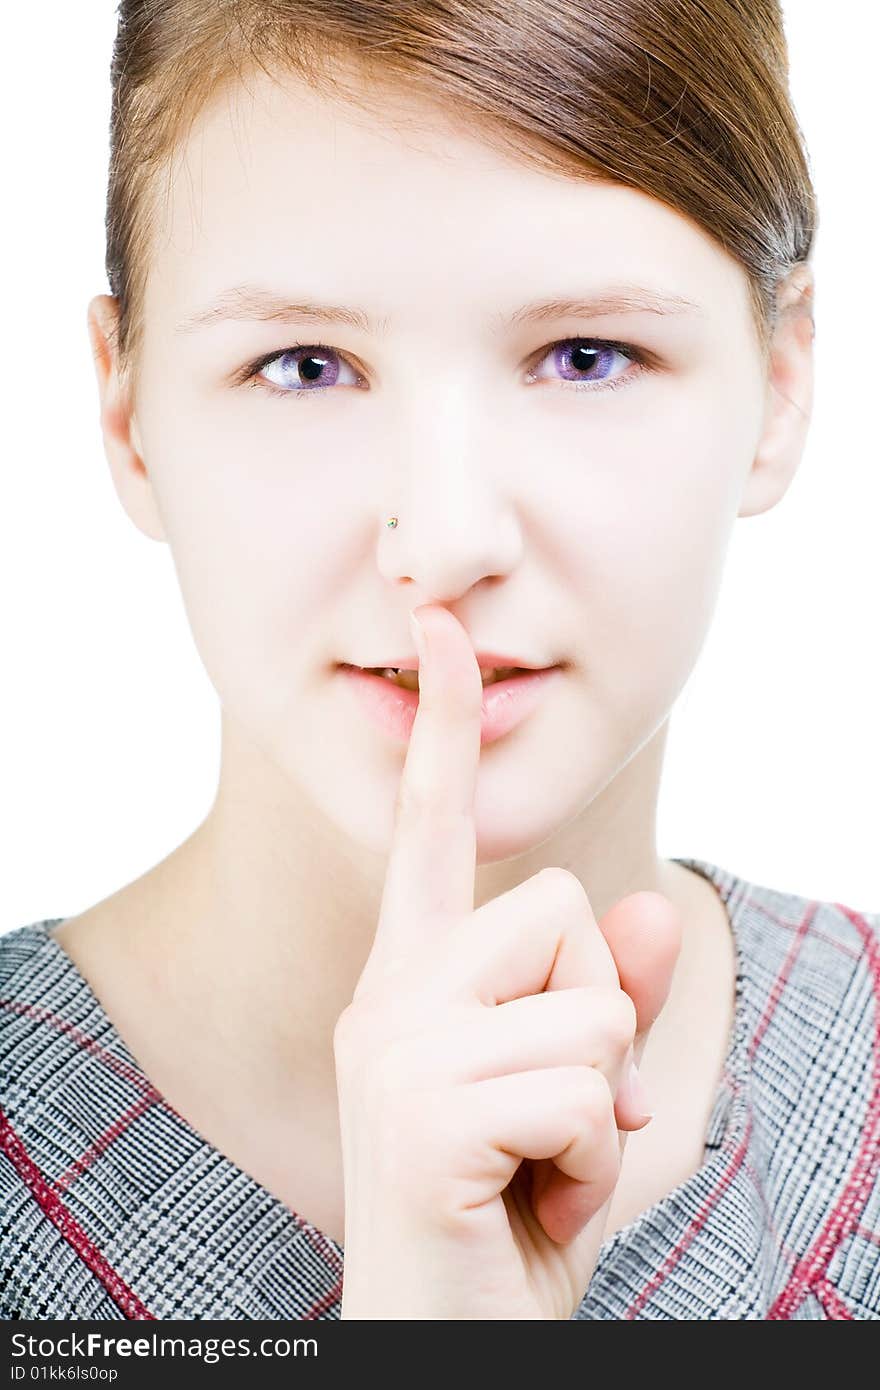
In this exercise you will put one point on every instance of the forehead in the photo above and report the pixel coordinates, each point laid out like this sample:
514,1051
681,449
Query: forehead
399,206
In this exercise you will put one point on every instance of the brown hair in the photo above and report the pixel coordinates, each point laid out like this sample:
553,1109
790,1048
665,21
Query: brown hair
687,103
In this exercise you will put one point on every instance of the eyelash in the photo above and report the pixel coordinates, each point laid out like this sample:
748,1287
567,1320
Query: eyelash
640,359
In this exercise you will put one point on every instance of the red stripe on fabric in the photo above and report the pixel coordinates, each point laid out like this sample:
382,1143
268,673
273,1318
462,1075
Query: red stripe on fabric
82,1040
782,978
783,1249
137,1079
845,1214
831,1301
150,1096
103,1142
729,1173
324,1302
12,1145
852,951
693,1229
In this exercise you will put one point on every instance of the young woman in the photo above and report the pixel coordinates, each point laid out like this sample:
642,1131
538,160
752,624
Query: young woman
419,988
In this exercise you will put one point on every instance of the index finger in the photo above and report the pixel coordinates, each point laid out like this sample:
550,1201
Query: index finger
432,861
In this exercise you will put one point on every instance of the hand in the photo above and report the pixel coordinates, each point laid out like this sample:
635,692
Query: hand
482,1065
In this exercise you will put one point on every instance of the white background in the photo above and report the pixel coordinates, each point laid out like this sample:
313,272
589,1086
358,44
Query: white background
109,726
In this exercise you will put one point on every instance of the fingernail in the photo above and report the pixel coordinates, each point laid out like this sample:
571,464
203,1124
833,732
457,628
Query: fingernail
418,633
638,1093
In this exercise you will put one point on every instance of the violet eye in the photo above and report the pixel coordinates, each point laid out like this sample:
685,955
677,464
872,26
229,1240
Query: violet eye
577,360
305,367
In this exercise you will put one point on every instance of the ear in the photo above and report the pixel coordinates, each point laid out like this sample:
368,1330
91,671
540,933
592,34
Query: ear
789,395
118,426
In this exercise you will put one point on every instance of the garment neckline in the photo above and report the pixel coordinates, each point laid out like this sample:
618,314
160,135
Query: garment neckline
727,1114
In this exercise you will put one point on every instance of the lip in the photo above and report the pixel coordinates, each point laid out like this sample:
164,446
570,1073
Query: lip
484,660
505,703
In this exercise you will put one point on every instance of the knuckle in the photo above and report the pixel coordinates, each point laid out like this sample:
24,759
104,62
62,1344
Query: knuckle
565,885
621,1020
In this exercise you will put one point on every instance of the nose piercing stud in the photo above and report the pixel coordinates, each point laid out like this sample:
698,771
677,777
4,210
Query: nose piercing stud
392,522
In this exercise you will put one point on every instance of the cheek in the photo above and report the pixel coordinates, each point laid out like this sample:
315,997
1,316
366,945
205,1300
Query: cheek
257,557
648,531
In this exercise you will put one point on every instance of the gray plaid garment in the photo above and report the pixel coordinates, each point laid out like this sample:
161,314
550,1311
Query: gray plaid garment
113,1206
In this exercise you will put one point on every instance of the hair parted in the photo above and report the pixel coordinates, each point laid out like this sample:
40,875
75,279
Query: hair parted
687,102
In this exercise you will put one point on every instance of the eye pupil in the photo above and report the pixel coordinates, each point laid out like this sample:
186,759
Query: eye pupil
585,352
311,368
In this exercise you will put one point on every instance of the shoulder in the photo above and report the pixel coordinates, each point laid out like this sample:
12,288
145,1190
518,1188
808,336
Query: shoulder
29,969
81,1152
813,967
20,948
812,1034
803,1077
34,981
808,969
810,983
35,991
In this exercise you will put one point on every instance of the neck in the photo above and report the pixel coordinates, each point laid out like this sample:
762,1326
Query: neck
260,923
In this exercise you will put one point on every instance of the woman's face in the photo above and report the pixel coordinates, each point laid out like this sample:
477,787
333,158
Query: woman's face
559,524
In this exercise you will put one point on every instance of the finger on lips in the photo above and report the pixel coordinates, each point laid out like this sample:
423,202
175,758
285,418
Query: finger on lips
535,957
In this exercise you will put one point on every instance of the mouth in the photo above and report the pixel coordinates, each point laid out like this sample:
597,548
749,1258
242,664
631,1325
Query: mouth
390,696
407,679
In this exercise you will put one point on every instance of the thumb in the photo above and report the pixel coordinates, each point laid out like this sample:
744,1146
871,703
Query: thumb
644,935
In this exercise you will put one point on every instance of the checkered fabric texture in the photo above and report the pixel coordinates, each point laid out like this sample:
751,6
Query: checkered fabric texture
113,1206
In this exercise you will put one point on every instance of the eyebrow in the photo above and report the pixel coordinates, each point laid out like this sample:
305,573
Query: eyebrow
249,303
